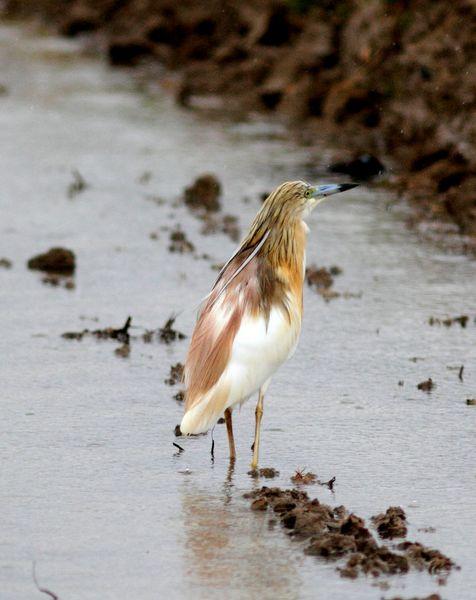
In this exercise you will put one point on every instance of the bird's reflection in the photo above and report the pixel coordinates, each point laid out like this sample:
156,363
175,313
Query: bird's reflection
229,548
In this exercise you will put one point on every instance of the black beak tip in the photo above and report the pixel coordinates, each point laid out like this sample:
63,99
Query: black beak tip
347,186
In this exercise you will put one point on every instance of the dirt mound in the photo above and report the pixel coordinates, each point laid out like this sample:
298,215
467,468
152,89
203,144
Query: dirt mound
334,533
392,523
55,260
204,193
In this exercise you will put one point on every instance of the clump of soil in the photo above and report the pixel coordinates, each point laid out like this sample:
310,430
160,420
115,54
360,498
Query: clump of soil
179,396
5,263
322,279
462,320
266,472
176,374
302,477
179,242
427,385
55,260
334,533
120,334
203,198
391,523
78,184
168,334
471,401
204,193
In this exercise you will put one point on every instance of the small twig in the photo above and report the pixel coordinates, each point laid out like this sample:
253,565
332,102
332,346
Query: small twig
41,589
179,447
460,374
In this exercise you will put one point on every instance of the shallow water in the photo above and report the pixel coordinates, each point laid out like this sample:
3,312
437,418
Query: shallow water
92,488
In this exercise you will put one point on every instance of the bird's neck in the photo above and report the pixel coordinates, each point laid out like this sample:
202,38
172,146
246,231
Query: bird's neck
286,246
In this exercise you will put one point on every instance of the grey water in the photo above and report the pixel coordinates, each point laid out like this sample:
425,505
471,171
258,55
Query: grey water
92,489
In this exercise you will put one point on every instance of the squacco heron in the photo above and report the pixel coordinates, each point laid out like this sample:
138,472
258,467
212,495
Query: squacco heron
249,324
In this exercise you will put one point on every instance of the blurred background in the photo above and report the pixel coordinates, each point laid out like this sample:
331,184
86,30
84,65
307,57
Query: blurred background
391,82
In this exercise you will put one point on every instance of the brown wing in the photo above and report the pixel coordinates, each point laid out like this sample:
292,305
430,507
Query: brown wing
217,325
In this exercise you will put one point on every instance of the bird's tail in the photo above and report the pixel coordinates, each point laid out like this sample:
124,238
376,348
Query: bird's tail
204,412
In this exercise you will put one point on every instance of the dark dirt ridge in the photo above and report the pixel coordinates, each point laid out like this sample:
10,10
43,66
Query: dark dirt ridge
334,533
387,77
165,334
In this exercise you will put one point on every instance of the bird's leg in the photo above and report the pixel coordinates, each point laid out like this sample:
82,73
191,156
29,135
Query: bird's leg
229,430
258,415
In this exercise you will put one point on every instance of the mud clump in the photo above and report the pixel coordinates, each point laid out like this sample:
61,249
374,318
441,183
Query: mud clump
204,193
391,524
448,322
334,533
55,260
179,396
425,559
322,279
426,386
176,374
471,401
302,477
179,242
5,263
78,184
167,334
121,334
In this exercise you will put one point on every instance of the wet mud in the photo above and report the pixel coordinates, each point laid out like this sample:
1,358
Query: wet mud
179,243
449,321
335,533
426,386
204,193
391,523
78,184
5,263
56,260
176,374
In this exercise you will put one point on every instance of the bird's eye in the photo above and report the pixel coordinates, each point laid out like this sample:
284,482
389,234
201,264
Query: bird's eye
308,193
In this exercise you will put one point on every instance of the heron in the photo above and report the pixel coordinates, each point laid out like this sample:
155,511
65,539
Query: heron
250,322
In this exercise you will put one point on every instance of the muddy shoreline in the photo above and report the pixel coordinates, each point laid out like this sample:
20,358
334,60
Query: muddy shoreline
376,79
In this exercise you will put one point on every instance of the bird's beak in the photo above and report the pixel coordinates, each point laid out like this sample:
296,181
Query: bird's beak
322,191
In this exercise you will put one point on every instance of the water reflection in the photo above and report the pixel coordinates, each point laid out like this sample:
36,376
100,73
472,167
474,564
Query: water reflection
229,548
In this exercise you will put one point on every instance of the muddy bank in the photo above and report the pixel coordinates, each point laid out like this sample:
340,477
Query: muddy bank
380,78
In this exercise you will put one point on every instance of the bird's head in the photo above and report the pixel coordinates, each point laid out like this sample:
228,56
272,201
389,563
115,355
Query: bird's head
296,199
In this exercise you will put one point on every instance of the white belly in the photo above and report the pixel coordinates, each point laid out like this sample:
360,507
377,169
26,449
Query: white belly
258,350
